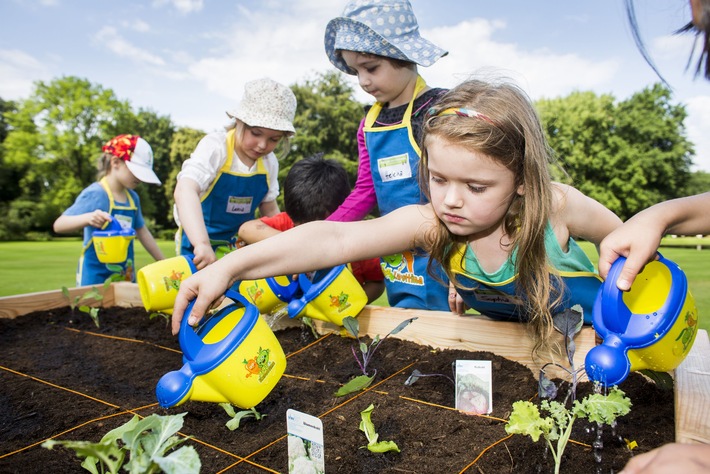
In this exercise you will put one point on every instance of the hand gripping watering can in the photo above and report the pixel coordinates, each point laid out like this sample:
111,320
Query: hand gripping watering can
331,296
231,357
651,326
159,282
111,243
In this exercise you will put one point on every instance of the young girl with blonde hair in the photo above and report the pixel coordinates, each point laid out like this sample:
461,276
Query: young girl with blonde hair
127,160
500,227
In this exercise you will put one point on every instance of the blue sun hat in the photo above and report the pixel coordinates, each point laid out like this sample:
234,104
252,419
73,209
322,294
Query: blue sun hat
383,27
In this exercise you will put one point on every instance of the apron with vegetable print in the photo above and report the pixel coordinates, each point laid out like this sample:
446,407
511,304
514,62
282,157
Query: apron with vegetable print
394,159
92,272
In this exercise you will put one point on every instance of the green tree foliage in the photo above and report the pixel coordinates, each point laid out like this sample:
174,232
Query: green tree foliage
627,155
55,138
327,119
184,142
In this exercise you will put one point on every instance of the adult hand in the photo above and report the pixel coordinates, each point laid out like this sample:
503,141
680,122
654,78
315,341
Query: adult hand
671,458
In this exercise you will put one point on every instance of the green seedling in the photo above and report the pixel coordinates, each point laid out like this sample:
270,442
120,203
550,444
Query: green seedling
139,446
602,409
363,381
367,427
238,416
93,294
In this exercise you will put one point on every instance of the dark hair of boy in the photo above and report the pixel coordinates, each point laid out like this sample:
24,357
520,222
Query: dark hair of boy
314,188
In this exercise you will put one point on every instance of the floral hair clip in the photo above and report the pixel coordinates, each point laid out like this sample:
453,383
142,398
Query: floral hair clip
461,112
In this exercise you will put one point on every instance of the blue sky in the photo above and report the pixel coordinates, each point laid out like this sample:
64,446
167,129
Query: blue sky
189,59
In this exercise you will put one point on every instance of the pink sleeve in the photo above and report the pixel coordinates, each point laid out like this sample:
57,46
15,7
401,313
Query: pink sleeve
362,198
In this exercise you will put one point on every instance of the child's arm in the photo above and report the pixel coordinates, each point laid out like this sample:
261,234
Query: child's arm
147,240
305,248
67,224
256,230
639,238
581,215
362,199
269,208
187,200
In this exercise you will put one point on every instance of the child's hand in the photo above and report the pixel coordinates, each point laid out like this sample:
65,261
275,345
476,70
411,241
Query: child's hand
456,304
204,255
98,218
207,287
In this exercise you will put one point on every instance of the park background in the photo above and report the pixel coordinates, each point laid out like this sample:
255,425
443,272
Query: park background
623,136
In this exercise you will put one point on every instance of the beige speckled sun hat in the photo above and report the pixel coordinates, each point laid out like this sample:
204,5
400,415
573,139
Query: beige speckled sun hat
267,104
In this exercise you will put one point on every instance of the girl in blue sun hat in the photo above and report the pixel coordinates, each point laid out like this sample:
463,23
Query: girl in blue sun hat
379,42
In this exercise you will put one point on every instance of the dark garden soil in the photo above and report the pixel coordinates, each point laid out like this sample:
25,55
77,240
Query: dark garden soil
61,379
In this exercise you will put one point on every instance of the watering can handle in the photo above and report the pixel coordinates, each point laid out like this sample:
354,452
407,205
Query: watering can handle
190,342
113,224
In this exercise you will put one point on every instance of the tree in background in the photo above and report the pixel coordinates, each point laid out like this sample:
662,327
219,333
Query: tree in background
327,119
627,155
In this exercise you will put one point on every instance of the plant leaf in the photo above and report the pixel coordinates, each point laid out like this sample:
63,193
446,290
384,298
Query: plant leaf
662,379
413,377
546,388
233,424
402,325
108,454
604,409
352,326
569,322
383,447
183,461
367,427
358,383
525,419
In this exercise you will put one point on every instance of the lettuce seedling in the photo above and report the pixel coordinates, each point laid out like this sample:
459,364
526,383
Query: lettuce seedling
363,381
144,442
602,409
367,427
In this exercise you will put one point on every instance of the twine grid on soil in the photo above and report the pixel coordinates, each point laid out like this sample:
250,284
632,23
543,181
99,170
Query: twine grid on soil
135,411
327,361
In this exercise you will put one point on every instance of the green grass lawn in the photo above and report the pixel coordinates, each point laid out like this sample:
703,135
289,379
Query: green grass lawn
28,267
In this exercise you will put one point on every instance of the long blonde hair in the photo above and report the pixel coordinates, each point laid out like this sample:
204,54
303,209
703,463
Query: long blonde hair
508,130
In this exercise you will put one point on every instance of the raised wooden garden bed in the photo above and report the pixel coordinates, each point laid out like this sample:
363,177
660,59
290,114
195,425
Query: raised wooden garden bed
435,329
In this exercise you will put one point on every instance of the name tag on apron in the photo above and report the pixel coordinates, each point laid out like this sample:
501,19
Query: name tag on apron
239,205
393,168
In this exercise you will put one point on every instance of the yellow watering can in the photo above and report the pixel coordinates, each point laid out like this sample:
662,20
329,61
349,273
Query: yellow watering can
651,326
231,357
111,244
159,282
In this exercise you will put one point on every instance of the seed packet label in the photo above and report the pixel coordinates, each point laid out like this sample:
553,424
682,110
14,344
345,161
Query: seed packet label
474,387
305,443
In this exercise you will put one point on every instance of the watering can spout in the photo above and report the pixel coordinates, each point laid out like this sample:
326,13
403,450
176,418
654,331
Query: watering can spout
177,387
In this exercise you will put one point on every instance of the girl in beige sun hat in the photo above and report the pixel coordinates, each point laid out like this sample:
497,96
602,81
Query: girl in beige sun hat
233,172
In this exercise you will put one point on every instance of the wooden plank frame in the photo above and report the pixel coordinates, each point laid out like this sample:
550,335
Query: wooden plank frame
445,330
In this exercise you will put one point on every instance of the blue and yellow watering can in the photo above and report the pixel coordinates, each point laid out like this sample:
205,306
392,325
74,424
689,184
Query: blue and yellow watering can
331,296
652,326
159,282
111,243
231,357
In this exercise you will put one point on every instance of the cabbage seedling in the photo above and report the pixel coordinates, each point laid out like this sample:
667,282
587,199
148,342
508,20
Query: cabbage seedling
367,427
363,381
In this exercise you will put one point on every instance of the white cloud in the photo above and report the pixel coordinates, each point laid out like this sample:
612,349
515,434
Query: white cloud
697,125
18,71
542,73
137,25
183,6
109,37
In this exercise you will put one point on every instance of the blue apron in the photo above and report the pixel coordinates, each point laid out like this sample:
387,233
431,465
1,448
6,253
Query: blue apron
500,301
92,272
231,200
394,161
